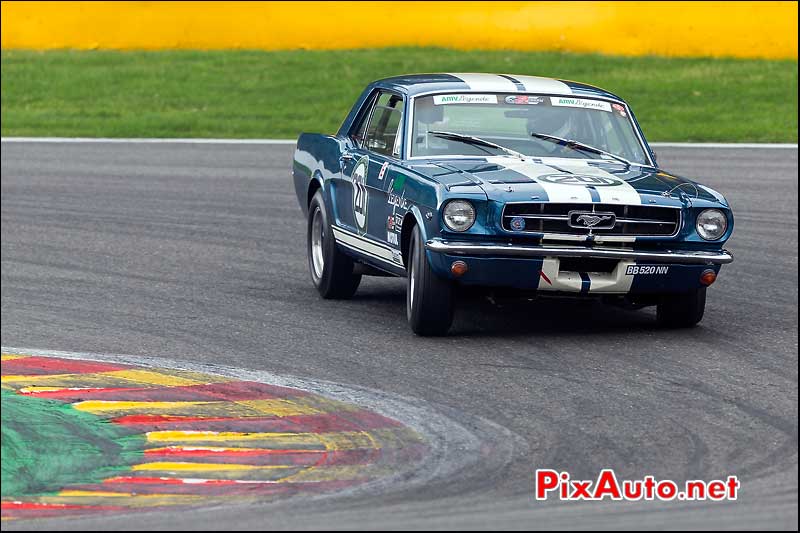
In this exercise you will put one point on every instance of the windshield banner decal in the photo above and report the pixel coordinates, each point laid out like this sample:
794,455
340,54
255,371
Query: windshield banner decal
440,99
563,101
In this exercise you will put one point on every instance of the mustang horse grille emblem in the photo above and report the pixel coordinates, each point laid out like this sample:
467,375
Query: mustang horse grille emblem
591,221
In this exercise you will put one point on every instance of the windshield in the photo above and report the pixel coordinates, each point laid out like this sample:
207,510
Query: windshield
510,120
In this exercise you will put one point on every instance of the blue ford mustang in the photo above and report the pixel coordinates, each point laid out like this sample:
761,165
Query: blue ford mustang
498,181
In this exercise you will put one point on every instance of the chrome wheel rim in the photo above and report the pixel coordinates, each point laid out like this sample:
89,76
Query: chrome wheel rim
317,254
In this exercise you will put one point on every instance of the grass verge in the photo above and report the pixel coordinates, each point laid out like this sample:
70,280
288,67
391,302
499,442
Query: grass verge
252,94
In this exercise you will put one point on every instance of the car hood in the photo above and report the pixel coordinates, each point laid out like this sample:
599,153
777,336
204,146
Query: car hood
510,179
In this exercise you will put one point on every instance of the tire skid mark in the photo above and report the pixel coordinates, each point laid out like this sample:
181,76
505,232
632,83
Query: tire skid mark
208,438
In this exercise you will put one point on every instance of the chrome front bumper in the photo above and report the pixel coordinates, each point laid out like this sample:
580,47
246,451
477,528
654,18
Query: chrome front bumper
689,257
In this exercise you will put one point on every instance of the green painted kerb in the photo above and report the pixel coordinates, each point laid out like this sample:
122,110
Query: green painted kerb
47,445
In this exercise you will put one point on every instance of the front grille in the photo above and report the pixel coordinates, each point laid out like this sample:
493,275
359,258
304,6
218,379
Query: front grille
631,220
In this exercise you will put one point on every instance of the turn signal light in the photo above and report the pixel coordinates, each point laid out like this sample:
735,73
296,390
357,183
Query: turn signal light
459,268
708,277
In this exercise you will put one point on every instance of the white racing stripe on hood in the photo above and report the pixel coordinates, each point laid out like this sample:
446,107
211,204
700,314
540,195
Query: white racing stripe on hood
487,82
614,194
555,192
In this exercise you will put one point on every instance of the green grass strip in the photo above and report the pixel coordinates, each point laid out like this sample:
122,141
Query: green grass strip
252,94
47,445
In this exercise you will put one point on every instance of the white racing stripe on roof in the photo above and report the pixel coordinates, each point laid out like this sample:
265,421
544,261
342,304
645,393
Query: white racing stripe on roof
487,82
496,83
535,84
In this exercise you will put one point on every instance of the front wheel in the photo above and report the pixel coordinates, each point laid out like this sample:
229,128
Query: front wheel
683,310
331,270
429,298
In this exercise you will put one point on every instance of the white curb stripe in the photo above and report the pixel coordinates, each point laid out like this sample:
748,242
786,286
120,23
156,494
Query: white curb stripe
144,140
722,145
292,142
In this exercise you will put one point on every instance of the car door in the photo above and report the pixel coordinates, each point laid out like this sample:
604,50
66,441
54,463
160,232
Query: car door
376,147
349,190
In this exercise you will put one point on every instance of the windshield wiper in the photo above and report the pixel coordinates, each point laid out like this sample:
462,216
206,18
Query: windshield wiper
577,145
477,141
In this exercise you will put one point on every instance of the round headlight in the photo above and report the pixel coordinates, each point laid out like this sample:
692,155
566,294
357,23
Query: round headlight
712,224
459,215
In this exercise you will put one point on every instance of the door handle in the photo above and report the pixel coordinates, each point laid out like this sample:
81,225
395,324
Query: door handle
344,158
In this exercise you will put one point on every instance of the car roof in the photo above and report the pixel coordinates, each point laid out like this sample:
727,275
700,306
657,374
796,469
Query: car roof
415,84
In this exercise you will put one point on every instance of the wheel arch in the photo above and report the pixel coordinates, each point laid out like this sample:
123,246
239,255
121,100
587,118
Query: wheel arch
313,186
411,219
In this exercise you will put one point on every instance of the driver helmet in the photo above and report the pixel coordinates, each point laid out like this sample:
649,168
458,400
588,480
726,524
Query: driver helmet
549,120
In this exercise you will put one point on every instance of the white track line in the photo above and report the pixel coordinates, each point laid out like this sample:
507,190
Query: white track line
143,141
292,142
723,145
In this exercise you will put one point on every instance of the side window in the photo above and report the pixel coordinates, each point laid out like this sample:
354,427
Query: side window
383,132
358,134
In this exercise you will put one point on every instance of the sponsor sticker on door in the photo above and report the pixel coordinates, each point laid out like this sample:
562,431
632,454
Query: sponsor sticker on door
383,170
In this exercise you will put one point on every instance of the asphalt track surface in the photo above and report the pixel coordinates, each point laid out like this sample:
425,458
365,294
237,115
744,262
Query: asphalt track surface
196,253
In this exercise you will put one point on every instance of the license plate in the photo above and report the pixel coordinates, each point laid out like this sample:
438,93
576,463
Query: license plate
647,270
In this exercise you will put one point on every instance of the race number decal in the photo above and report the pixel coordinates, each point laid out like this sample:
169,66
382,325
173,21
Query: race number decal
583,181
360,194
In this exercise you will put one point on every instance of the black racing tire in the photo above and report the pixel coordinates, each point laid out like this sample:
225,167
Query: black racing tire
682,310
429,298
331,270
